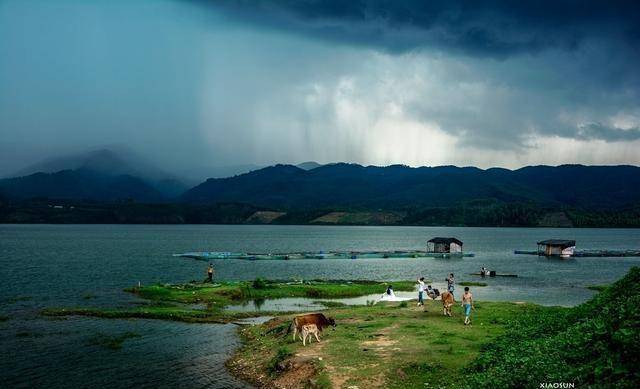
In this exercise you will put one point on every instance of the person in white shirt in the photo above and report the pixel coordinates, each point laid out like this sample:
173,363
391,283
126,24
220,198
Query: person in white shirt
421,291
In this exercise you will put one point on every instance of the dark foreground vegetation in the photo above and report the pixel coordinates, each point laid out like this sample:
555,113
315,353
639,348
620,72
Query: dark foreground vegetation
473,214
595,344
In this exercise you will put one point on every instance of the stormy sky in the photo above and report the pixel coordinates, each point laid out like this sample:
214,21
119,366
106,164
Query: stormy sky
193,84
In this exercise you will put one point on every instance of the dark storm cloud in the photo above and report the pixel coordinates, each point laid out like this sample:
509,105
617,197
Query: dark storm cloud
600,131
484,28
195,84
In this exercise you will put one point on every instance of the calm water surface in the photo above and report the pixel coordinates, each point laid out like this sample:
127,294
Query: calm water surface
89,265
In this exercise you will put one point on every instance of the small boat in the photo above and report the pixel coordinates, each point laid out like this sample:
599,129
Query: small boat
493,274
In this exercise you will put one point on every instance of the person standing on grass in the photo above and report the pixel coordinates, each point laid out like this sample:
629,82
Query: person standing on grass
210,273
467,304
421,291
450,282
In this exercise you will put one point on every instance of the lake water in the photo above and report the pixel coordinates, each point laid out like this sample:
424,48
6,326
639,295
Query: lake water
89,265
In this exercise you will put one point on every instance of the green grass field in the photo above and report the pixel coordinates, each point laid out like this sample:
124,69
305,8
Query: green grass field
394,346
508,345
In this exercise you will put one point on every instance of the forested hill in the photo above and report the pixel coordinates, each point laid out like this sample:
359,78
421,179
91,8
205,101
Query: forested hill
563,196
397,187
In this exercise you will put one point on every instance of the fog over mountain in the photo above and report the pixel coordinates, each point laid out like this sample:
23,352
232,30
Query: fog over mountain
103,160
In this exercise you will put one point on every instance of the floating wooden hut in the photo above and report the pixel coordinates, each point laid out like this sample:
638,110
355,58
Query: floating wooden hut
444,245
556,247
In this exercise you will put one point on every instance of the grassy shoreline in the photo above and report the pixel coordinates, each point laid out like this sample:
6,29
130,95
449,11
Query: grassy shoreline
198,302
387,345
398,345
509,345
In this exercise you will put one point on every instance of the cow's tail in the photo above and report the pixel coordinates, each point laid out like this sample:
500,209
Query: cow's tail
294,325
293,322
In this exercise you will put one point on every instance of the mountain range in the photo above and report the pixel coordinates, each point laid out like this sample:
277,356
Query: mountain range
341,192
107,174
397,187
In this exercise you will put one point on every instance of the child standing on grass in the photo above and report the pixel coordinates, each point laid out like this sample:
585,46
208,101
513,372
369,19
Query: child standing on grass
450,282
421,291
467,304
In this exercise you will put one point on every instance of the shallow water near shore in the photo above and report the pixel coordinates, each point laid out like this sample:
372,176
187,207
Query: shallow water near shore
89,265
301,304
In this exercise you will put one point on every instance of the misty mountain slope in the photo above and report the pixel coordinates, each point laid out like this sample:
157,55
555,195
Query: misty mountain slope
397,186
79,184
105,161
111,163
309,165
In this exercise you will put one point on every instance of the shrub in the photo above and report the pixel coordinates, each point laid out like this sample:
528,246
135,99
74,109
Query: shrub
259,283
276,364
312,293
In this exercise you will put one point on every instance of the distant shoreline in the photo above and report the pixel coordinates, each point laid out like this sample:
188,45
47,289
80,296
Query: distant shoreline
298,225
49,211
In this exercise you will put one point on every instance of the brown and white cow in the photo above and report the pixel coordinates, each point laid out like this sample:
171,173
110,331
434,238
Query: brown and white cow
318,319
307,331
447,302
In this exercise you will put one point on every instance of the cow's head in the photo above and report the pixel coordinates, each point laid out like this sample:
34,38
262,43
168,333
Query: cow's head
332,323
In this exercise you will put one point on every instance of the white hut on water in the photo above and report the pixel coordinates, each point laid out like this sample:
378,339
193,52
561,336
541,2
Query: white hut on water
444,245
556,247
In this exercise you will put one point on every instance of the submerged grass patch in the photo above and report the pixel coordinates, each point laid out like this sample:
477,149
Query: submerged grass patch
113,342
153,312
28,334
472,283
330,304
15,299
162,298
228,292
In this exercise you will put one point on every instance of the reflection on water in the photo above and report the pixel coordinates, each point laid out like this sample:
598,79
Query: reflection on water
286,304
301,304
258,303
69,265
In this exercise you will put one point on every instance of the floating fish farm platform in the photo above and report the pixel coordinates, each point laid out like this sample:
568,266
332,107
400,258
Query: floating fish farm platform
204,256
589,253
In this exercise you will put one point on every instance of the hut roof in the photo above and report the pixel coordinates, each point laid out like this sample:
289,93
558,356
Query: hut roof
445,240
558,242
